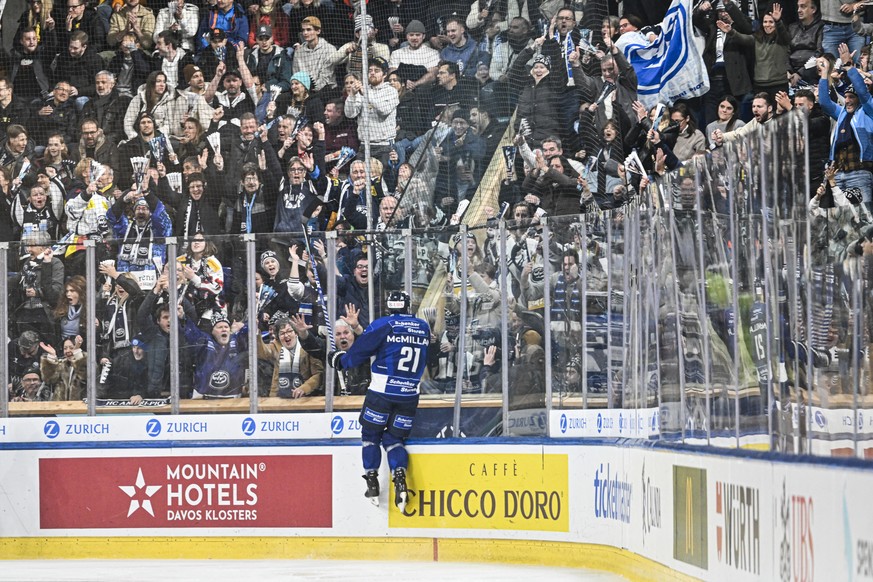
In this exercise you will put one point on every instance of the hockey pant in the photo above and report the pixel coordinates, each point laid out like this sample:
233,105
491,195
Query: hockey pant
387,423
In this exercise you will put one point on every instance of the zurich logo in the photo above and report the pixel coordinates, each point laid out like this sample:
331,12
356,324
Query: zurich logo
248,426
620,422
337,424
153,427
820,419
51,429
599,422
563,423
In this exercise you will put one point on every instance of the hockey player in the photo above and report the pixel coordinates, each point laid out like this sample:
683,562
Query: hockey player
399,343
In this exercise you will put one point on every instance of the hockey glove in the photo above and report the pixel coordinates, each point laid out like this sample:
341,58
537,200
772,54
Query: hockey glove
335,359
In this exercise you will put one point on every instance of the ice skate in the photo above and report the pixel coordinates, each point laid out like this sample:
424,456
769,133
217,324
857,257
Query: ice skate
400,492
372,493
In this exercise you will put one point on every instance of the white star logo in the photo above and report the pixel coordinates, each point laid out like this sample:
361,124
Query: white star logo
131,491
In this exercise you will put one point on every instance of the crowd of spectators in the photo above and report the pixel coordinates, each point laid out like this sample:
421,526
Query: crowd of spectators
126,123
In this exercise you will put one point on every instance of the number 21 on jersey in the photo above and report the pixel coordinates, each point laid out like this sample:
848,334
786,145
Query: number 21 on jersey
409,357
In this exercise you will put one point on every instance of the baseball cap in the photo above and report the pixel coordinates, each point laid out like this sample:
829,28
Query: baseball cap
217,34
312,21
264,31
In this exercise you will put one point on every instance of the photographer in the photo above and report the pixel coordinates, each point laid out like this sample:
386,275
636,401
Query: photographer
40,285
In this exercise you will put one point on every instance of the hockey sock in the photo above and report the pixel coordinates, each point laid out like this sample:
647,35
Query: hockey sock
397,455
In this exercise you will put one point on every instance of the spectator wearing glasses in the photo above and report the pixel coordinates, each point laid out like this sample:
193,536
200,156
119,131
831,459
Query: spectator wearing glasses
32,388
80,17
353,290
57,116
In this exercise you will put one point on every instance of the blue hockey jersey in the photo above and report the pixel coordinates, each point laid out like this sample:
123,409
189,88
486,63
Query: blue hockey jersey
399,344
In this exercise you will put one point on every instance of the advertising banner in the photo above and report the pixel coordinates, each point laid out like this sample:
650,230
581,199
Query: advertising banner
192,491
487,491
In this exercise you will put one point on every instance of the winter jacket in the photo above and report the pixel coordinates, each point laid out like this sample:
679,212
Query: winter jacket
538,104
771,54
109,111
125,377
356,379
80,72
311,369
862,120
122,228
169,112
736,57
157,346
278,70
233,22
805,42
219,371
118,25
68,378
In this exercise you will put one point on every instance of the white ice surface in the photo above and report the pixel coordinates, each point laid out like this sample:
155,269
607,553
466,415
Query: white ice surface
272,570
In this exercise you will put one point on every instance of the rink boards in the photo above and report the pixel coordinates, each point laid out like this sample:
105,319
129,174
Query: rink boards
648,512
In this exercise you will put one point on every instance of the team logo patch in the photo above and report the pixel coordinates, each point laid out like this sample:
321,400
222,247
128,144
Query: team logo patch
403,422
375,417
219,380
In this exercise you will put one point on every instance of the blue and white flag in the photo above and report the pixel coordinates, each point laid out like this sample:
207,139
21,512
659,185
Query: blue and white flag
670,65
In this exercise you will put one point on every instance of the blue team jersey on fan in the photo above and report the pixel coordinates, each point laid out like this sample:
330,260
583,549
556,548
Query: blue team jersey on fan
399,344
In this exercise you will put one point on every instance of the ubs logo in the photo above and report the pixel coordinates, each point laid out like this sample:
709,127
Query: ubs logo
51,429
153,427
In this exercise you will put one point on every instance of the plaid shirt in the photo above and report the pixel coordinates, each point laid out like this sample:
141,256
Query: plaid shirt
848,158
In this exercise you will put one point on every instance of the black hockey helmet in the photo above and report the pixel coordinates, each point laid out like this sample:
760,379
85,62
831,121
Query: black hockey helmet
398,302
